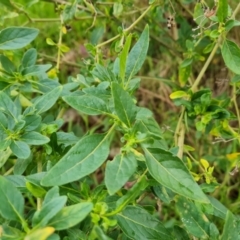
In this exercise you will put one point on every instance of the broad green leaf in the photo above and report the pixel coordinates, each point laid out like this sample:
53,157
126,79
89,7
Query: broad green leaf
4,155
87,104
17,37
222,11
137,55
46,101
10,233
70,216
48,211
66,139
21,165
84,158
7,105
12,201
7,65
193,219
34,138
138,224
119,170
32,122
171,172
20,149
164,194
35,70
123,57
231,228
35,190
123,104
231,56
29,58
40,234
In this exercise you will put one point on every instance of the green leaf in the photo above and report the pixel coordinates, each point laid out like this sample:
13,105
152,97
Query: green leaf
132,193
10,233
34,138
7,64
178,94
119,170
137,55
84,158
123,57
29,58
20,149
12,201
193,219
124,105
69,11
52,193
117,9
87,104
231,56
180,233
222,12
35,70
48,211
138,224
17,37
4,155
7,104
6,3
70,216
46,101
32,122
231,228
21,165
171,172
35,190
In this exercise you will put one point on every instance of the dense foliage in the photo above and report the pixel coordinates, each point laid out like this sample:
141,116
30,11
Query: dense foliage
119,119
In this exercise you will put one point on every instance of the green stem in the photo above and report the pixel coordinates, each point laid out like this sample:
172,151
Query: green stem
234,99
59,45
127,29
39,170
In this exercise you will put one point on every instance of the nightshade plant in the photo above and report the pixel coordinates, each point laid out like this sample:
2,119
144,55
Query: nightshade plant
49,189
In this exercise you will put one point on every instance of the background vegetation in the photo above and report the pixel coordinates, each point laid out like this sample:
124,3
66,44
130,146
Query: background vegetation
152,81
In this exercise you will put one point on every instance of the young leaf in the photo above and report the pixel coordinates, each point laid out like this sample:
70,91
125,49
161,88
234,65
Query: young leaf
48,211
87,104
138,224
17,37
84,158
124,105
231,56
119,170
137,55
34,138
46,101
123,57
20,149
71,215
35,190
222,12
12,201
171,172
4,155
29,58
